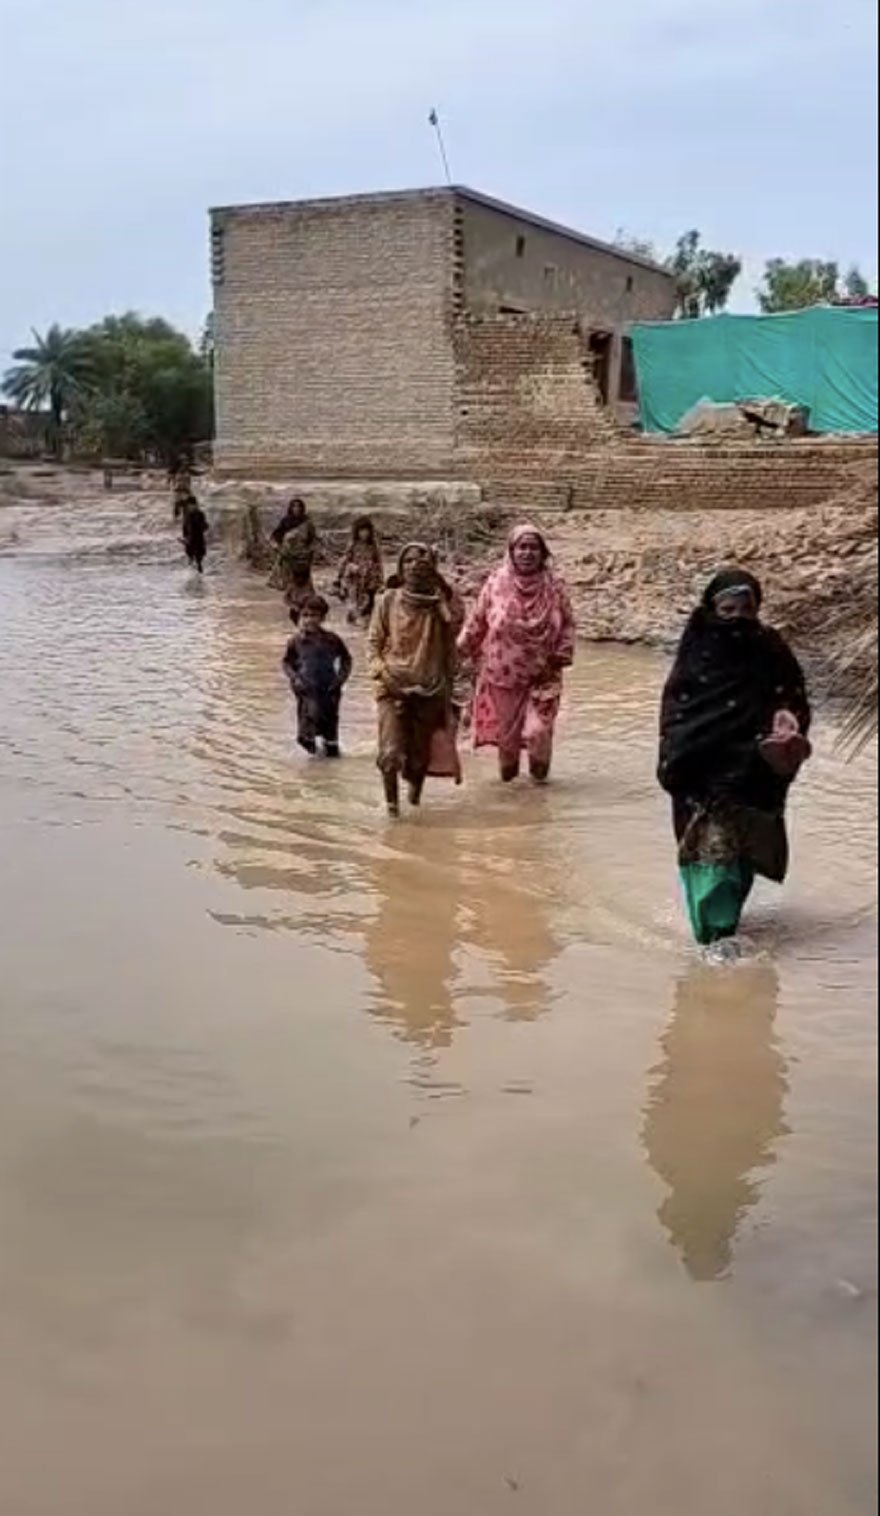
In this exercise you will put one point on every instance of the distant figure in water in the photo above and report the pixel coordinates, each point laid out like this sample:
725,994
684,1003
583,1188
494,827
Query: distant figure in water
194,532
733,734
359,577
520,635
295,538
413,665
318,665
180,479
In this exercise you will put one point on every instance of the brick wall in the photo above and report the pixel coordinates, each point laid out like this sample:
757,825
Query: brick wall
515,262
333,357
686,476
525,403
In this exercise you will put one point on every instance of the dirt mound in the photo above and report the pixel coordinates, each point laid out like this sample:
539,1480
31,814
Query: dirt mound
641,573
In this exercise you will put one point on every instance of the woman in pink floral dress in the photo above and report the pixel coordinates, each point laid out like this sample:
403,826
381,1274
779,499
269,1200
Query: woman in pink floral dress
520,636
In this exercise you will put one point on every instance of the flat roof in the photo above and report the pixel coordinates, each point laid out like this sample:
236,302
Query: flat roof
455,191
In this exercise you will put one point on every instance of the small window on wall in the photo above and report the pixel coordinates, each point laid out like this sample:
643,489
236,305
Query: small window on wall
629,389
520,247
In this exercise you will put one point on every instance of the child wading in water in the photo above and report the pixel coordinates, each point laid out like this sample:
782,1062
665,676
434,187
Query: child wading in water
318,665
359,577
194,531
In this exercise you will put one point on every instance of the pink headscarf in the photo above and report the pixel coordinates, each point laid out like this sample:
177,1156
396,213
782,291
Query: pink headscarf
533,599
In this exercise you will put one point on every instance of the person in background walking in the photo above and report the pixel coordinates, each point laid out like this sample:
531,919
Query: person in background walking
194,532
359,577
733,733
412,665
296,539
520,635
318,666
180,479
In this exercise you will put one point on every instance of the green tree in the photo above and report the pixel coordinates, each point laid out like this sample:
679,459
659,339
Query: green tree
111,425
177,397
55,374
794,286
129,387
154,392
207,341
855,285
703,279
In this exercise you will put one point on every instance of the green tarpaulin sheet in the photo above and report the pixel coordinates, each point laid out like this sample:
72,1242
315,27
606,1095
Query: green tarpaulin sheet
824,359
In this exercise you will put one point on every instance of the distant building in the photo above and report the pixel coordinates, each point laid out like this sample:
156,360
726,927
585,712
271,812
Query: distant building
22,433
344,328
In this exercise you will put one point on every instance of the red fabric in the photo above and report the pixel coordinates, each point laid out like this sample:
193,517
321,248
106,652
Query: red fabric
444,761
512,720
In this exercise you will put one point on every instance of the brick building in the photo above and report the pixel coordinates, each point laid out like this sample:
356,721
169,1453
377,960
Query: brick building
417,334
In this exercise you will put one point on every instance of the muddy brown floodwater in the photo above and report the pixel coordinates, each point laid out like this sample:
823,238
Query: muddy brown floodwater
351,1169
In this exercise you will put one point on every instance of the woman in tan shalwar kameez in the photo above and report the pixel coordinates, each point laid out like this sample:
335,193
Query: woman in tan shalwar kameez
412,664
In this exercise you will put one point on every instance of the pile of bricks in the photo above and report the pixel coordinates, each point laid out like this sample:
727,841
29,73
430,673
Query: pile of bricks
526,404
654,474
533,433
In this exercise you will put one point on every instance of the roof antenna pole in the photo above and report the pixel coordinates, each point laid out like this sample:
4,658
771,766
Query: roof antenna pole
434,120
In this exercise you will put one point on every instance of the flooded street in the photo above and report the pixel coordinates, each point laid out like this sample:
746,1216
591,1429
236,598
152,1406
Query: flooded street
359,1169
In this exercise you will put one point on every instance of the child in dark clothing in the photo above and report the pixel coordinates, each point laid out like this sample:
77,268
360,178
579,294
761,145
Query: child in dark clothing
194,531
318,664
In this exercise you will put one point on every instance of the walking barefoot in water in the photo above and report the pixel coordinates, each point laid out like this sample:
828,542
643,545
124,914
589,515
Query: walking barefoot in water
412,664
733,734
520,635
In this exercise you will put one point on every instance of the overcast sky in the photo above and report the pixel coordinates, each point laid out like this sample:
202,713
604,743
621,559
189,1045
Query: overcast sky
125,119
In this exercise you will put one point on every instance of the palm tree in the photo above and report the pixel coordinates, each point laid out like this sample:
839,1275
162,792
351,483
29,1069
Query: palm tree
854,672
53,374
857,676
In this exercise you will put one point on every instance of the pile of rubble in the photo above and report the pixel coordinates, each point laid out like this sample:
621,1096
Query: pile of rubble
641,573
714,421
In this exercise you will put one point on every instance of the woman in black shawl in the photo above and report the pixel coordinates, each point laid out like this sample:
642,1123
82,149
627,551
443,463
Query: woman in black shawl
733,734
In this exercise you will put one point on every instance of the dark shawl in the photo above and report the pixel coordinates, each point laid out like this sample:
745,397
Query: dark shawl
296,516
727,682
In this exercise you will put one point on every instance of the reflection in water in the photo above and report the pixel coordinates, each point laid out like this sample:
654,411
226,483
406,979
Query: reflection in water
410,946
230,1280
714,1112
449,923
508,920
